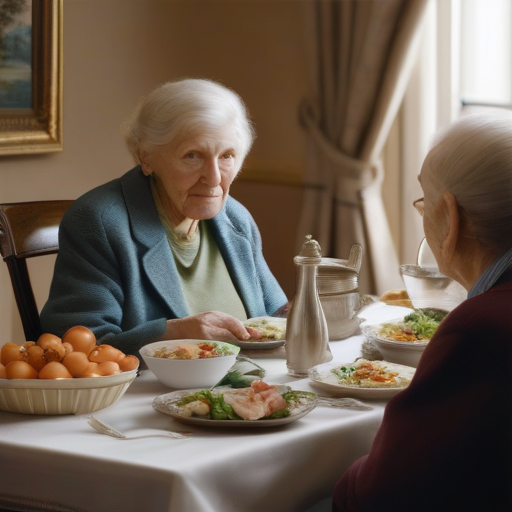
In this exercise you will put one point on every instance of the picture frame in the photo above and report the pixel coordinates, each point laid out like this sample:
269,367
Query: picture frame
31,116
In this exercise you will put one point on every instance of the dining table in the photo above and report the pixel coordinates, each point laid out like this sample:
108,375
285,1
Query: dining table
60,462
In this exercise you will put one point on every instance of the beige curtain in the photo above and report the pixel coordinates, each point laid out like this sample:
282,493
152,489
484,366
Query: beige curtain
361,54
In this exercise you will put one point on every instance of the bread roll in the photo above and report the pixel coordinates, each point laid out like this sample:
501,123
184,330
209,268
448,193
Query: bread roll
397,298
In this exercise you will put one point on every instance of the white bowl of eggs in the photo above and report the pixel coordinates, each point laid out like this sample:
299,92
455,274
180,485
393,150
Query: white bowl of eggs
72,375
183,364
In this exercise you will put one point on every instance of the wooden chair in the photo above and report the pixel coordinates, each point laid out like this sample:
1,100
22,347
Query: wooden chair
27,230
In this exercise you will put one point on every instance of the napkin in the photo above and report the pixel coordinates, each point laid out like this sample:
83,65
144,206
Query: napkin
370,351
242,373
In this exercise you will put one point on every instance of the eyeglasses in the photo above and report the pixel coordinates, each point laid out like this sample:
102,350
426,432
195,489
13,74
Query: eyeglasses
419,204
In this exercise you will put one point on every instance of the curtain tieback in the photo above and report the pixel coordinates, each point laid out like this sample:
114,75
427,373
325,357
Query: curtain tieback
346,166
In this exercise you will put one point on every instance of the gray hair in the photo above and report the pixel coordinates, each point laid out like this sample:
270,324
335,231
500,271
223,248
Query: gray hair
473,160
175,109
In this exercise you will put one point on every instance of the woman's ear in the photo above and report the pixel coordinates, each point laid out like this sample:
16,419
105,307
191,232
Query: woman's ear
144,163
451,237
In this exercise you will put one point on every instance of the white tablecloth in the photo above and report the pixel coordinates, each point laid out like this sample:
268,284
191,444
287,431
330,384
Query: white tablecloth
61,459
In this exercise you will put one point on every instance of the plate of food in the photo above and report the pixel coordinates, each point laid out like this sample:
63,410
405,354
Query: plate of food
416,327
260,405
362,378
403,340
266,332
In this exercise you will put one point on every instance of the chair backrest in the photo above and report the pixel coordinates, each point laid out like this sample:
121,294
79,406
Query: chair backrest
27,230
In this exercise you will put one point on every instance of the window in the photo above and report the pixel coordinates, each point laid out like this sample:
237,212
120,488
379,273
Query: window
486,52
465,58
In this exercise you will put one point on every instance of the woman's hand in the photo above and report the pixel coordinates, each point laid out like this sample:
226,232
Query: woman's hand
212,325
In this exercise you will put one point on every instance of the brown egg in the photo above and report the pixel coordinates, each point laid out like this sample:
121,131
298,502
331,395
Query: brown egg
80,338
105,353
76,363
128,363
36,357
52,346
3,374
11,352
108,368
92,371
48,340
51,354
20,370
68,348
54,370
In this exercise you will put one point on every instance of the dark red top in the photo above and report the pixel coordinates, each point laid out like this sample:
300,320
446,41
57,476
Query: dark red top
445,442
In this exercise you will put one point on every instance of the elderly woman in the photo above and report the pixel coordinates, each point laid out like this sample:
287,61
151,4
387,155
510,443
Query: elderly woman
445,443
163,252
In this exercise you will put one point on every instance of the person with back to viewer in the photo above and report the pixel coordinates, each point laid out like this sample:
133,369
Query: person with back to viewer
445,442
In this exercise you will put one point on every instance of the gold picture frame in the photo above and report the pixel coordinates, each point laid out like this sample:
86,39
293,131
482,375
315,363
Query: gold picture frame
37,127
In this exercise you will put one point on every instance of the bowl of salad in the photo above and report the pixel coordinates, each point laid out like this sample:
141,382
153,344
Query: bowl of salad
184,364
403,340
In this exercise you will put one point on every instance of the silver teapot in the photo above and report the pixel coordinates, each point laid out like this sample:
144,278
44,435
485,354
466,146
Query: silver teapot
338,289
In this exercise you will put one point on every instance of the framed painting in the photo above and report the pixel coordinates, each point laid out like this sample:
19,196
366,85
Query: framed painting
30,76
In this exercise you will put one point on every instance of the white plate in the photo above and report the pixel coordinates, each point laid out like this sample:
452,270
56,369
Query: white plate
257,345
167,404
262,344
322,378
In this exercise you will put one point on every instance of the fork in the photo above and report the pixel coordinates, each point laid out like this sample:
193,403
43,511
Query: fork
343,403
108,430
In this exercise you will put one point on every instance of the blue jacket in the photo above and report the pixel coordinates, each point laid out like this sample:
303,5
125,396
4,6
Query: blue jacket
115,272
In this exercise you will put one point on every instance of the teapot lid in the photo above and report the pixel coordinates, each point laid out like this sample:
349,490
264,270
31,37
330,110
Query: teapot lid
311,252
340,266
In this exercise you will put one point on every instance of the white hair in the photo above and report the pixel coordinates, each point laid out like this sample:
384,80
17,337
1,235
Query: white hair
473,160
175,109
